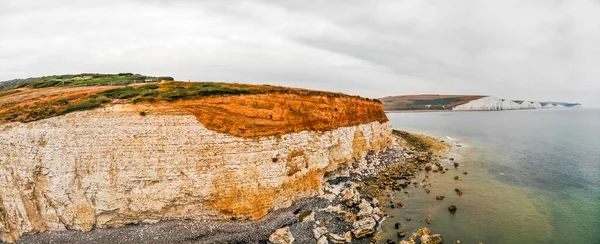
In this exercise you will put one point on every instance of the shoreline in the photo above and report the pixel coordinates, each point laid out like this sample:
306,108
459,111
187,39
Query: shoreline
361,197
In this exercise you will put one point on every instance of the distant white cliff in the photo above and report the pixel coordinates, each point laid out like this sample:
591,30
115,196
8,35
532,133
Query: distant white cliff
497,104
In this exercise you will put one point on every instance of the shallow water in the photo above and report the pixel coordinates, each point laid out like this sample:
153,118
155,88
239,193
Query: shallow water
533,177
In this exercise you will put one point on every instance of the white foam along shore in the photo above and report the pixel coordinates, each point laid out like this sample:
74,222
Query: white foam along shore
496,104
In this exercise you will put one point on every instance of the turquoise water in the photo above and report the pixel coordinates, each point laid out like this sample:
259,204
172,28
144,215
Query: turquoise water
533,177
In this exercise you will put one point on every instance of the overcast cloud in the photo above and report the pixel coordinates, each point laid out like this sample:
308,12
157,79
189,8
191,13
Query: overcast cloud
536,49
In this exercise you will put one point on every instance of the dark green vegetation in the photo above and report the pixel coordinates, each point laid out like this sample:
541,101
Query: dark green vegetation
172,91
425,102
439,101
421,143
85,79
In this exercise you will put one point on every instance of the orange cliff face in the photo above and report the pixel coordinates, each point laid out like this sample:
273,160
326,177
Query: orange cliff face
277,114
212,157
278,111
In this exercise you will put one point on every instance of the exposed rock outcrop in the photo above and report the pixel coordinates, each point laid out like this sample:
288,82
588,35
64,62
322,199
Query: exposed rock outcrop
282,236
110,167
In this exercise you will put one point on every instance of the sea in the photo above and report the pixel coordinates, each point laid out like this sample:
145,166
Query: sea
533,176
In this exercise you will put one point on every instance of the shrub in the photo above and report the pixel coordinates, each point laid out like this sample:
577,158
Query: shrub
62,101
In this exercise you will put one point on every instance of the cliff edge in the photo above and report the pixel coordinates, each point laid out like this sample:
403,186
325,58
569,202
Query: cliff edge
105,156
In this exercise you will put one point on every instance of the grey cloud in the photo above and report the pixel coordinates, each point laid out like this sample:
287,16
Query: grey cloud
536,49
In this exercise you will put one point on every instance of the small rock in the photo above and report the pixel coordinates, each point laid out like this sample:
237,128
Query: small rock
364,227
428,219
458,191
464,173
365,209
407,219
348,237
323,240
282,236
451,159
375,202
456,177
455,164
401,234
388,241
376,217
427,190
319,232
439,197
431,239
397,225
457,241
337,238
452,208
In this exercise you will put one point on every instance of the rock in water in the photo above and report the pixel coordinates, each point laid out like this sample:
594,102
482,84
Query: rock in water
439,197
452,208
364,227
282,236
431,239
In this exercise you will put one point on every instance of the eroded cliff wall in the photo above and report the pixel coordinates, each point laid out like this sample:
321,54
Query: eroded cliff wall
112,166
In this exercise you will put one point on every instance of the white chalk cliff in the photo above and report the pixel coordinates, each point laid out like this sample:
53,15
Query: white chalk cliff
110,167
497,104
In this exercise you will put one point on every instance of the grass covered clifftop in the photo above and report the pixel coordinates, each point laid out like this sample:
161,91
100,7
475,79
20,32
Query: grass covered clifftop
237,109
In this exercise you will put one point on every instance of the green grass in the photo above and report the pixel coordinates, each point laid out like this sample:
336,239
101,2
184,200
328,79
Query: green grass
77,80
438,101
93,102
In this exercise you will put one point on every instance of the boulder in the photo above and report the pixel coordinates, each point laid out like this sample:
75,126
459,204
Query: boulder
364,227
365,209
282,236
350,196
452,208
319,232
431,239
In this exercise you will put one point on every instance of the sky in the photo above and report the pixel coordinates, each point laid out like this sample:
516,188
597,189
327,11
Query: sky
541,50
